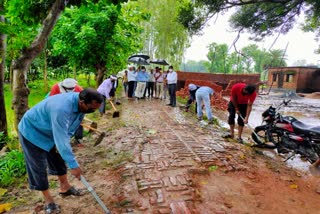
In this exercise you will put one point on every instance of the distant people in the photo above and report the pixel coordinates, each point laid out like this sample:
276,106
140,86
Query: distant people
159,83
65,86
141,79
106,89
172,79
125,82
203,95
44,134
132,75
165,85
241,101
150,84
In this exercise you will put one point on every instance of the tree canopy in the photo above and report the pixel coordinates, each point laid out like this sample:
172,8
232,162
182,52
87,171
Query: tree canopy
259,18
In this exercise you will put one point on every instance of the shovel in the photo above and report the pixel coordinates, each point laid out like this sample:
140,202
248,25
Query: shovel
251,128
101,136
90,189
116,112
93,123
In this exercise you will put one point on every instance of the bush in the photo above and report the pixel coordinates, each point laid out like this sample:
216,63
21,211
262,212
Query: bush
12,166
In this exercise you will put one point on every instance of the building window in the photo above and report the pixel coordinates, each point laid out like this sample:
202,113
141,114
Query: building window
274,77
289,78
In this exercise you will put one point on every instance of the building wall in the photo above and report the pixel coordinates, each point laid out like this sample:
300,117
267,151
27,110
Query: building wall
304,79
220,79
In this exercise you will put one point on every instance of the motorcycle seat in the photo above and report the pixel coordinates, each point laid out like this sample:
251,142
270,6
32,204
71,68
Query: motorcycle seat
303,128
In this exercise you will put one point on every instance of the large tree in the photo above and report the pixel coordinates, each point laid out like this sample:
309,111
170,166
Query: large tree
260,18
26,15
164,36
96,37
3,118
217,56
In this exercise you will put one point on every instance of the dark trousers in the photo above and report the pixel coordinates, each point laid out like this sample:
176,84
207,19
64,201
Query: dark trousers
150,88
232,113
38,161
130,88
172,93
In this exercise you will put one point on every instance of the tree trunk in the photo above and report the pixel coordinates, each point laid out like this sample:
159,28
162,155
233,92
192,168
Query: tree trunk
101,69
22,64
75,71
3,47
45,72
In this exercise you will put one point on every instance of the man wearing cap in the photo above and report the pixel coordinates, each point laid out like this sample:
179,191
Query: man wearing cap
69,85
105,88
203,95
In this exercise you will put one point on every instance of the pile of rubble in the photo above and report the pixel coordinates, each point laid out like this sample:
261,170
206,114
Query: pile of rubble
217,100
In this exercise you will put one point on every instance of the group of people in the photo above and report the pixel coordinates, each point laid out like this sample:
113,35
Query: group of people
140,83
241,100
45,130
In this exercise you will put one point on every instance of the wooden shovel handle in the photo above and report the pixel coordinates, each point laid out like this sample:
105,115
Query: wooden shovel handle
113,105
89,127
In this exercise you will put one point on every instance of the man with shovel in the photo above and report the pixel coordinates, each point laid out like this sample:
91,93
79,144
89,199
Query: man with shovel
65,86
241,100
44,133
104,89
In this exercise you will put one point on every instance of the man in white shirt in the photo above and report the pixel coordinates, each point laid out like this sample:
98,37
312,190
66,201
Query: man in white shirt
132,75
172,79
159,82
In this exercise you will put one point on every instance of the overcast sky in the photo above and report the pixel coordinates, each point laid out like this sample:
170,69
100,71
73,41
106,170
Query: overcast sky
301,45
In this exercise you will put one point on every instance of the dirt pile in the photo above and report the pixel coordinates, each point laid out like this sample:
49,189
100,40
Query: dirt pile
216,101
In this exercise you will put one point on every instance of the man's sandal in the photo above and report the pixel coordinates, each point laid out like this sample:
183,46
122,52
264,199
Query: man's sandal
52,208
71,191
227,136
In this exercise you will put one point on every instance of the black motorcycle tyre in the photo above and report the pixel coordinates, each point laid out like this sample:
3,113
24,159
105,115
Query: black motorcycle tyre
266,136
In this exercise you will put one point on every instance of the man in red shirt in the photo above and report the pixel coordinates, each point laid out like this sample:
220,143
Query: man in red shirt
67,85
241,100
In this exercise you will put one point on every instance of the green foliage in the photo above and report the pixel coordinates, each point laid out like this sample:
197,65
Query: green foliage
96,35
115,158
259,18
212,168
12,166
250,59
3,139
164,36
194,66
217,56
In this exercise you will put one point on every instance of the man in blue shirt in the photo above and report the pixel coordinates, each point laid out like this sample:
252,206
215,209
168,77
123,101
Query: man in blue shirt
44,133
203,95
142,79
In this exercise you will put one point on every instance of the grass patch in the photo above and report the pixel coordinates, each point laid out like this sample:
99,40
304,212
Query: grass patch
116,158
12,167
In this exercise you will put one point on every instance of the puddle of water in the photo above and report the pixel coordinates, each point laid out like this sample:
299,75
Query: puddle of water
296,163
305,109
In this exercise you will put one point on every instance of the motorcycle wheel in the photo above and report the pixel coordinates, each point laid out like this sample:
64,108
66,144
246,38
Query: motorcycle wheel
265,136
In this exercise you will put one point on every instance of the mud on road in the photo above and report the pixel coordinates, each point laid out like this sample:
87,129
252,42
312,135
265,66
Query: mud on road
159,159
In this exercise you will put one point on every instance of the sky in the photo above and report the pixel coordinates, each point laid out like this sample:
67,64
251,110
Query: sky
301,45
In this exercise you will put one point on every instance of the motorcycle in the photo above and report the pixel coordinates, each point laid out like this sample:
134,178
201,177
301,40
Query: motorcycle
286,133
